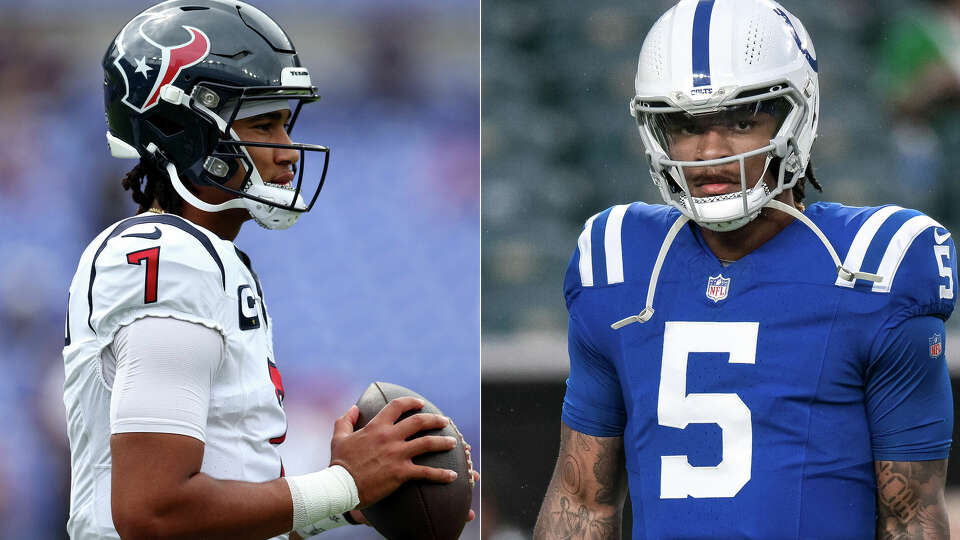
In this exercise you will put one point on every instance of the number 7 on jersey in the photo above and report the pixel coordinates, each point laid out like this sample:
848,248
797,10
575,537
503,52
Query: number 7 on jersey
152,256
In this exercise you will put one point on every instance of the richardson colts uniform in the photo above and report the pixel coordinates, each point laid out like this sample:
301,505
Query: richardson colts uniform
756,399
164,266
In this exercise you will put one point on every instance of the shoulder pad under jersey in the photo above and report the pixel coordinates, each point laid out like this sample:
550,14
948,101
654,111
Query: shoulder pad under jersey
913,253
599,258
155,265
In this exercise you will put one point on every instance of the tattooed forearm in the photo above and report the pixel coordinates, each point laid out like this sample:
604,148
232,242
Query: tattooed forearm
910,503
606,471
585,498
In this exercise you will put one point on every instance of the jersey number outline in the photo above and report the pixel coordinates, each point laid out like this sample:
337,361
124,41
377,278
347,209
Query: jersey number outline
152,256
946,270
277,381
676,408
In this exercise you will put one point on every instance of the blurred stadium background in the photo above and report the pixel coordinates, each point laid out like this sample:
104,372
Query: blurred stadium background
558,146
379,282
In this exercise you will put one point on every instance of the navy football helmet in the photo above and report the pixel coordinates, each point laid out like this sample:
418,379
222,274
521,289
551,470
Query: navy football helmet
181,73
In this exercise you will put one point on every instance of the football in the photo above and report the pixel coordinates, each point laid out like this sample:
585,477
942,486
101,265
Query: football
420,510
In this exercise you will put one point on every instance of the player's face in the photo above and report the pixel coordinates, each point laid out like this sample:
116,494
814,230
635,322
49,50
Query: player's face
275,164
719,135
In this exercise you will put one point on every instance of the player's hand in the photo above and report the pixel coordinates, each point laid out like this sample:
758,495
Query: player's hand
361,519
379,456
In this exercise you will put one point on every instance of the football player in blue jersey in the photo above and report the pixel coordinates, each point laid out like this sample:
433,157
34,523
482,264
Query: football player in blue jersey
745,366
173,394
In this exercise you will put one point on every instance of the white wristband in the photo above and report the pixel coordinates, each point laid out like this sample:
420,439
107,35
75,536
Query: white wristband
321,494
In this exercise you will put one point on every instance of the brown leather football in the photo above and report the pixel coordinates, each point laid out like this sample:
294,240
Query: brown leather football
420,510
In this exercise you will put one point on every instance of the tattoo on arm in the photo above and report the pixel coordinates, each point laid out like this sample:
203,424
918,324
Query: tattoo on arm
910,503
585,498
608,466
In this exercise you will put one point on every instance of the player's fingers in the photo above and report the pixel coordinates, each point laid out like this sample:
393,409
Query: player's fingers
432,474
353,413
471,516
430,443
421,422
392,411
345,424
476,475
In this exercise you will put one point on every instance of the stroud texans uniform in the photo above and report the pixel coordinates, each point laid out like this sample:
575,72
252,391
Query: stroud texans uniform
755,401
164,266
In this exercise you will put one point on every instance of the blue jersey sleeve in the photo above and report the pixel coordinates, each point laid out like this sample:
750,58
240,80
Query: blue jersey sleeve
918,265
593,403
908,396
928,282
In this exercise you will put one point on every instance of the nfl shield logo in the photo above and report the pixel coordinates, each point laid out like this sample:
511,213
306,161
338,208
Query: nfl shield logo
936,345
717,288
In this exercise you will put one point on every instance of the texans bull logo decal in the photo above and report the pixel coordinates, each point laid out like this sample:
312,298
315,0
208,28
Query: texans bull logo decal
138,58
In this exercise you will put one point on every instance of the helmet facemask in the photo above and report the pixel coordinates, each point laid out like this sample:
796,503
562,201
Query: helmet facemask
272,205
667,131
215,108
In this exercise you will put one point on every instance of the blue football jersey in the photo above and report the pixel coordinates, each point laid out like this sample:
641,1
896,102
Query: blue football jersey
755,401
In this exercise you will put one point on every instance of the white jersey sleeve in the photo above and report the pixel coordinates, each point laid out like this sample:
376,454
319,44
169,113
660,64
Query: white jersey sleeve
157,268
164,373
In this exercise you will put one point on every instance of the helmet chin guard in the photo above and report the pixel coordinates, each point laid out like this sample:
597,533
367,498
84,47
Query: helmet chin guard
716,213
275,217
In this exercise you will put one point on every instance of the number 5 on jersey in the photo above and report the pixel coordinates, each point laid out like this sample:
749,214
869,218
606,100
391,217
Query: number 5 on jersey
676,408
152,256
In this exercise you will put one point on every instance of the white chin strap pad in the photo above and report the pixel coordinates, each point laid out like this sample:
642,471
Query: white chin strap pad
271,217
725,212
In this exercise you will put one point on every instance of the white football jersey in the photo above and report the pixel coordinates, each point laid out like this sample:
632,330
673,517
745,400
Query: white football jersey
161,265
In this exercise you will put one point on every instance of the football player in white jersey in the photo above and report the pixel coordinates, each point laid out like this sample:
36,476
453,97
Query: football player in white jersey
173,398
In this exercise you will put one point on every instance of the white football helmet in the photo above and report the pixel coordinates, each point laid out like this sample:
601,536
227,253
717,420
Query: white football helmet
710,57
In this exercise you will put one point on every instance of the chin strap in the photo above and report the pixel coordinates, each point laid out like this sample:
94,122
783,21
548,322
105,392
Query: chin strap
647,313
194,201
185,193
266,216
844,273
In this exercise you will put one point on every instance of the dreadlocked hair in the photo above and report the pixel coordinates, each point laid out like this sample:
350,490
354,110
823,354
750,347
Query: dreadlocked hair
147,184
799,190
